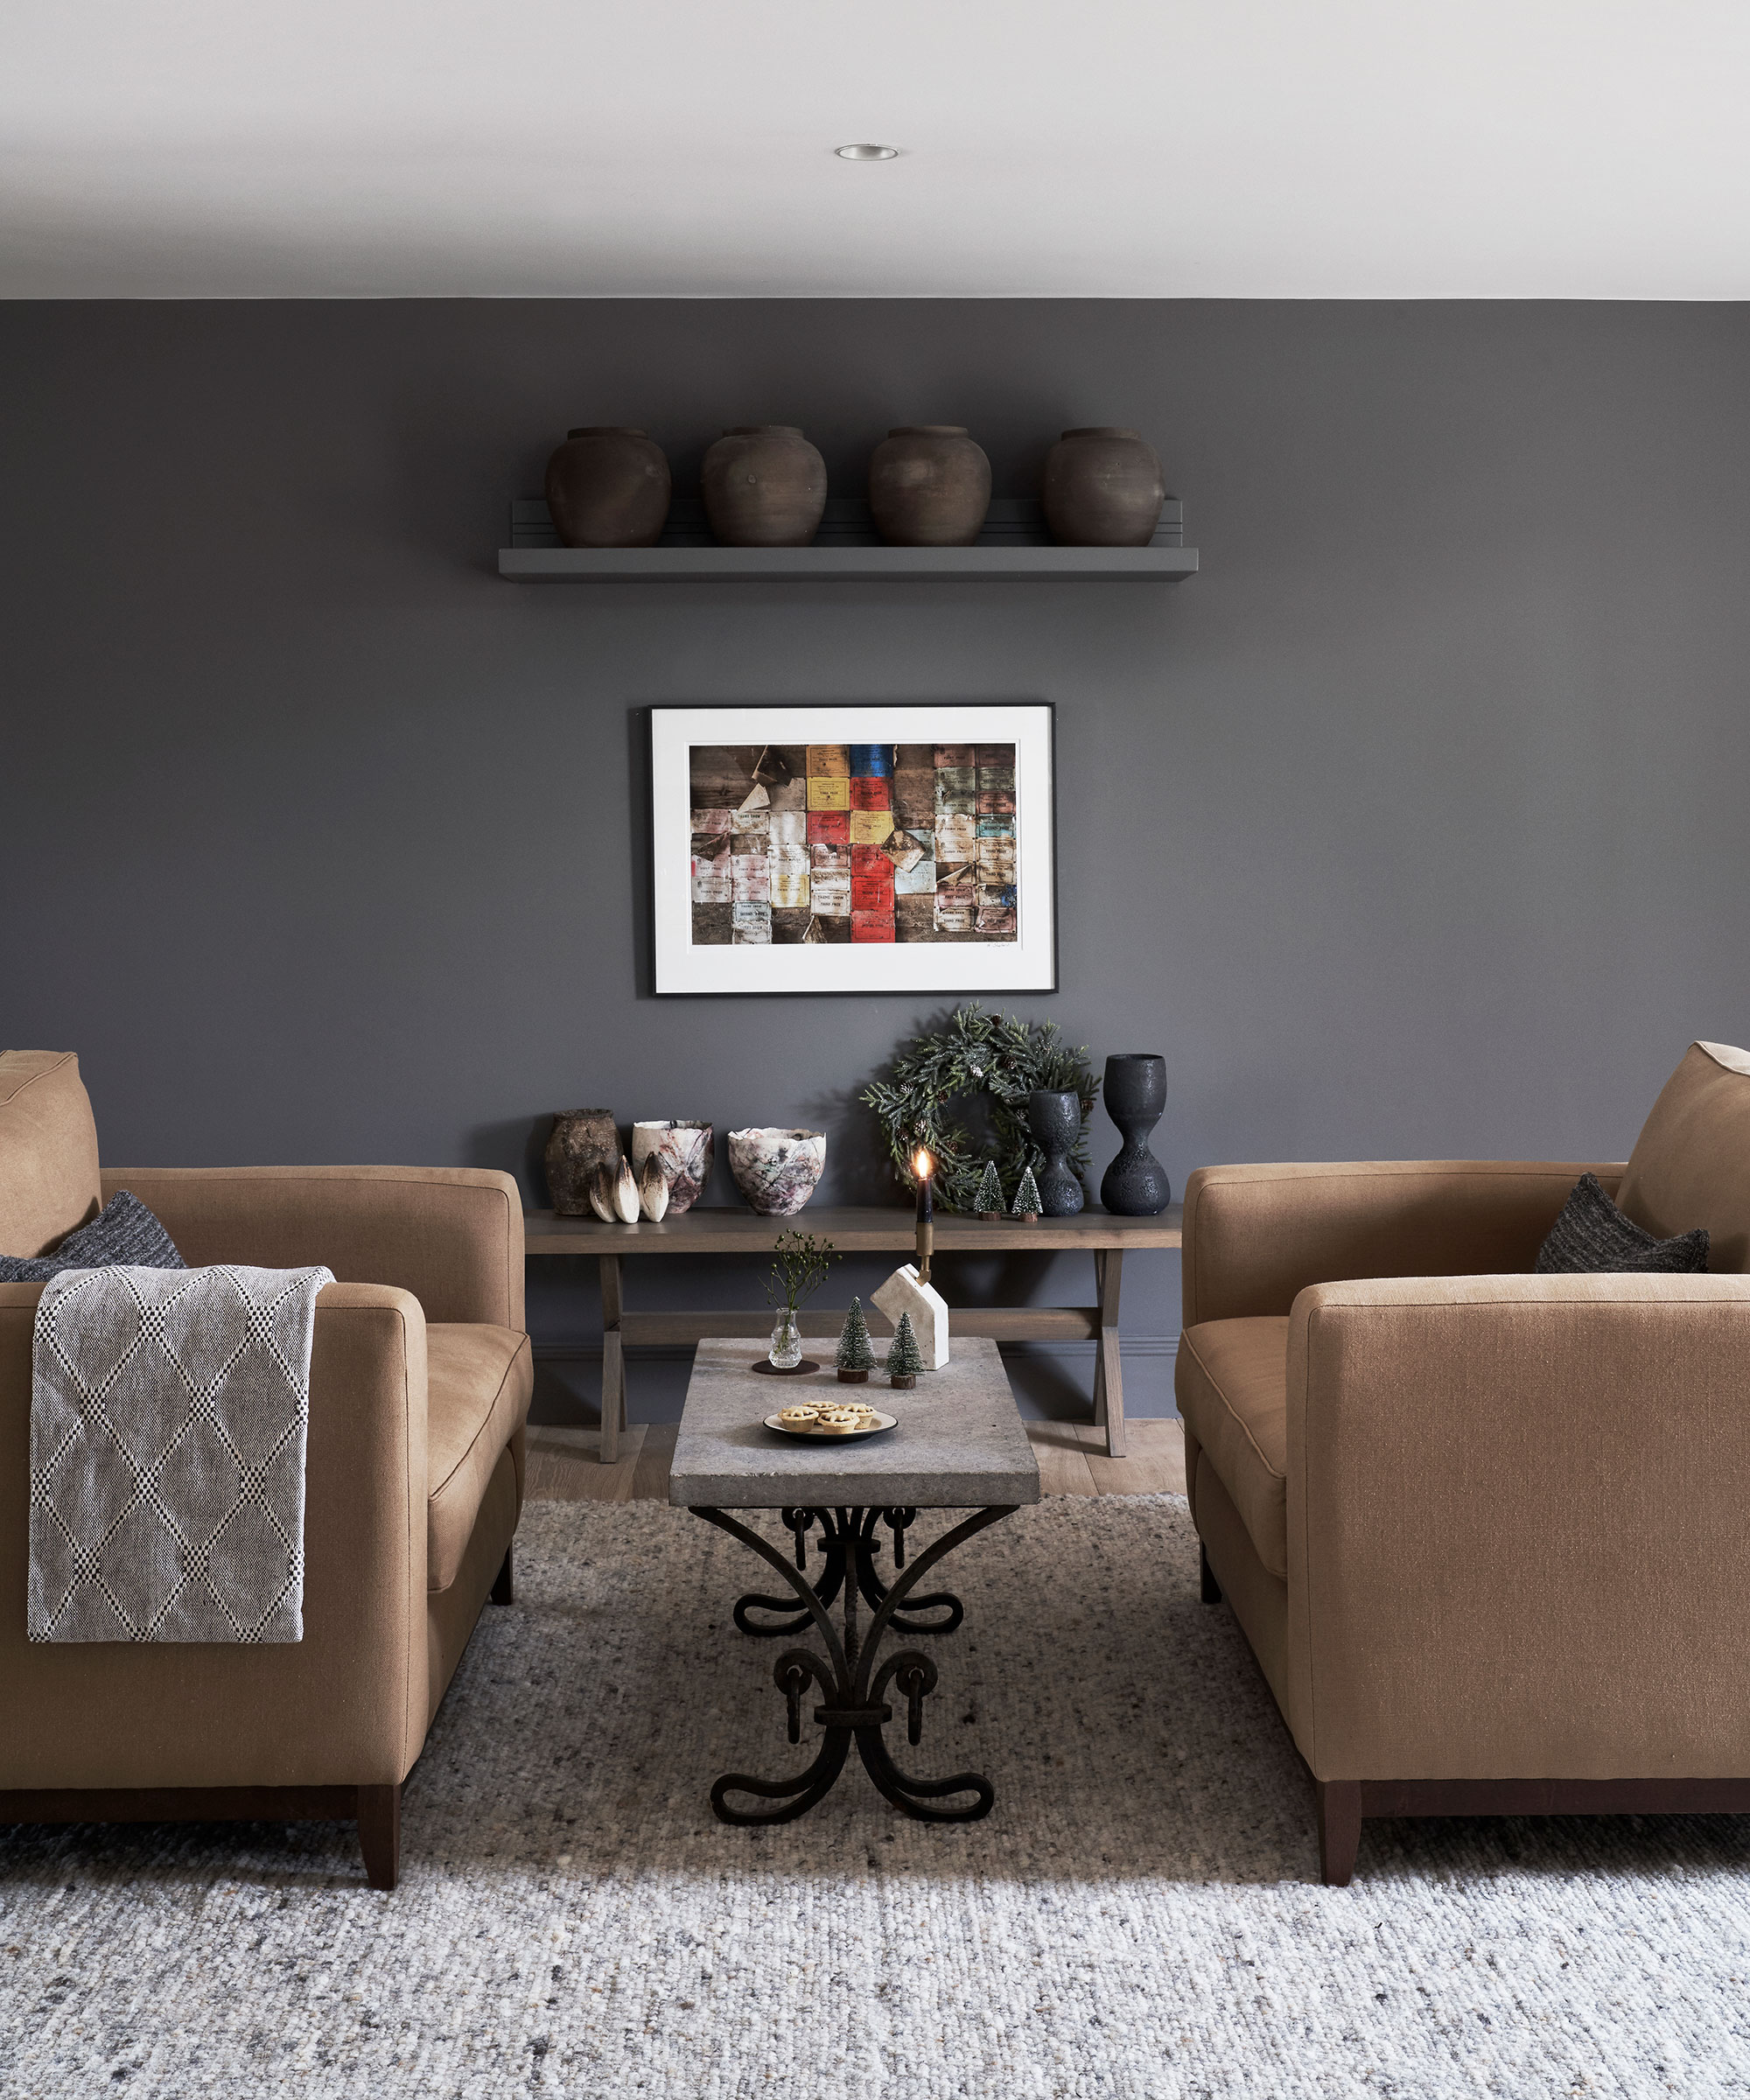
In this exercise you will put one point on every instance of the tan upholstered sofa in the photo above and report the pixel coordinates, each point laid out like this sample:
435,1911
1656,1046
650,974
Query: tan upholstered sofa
419,1389
1487,1532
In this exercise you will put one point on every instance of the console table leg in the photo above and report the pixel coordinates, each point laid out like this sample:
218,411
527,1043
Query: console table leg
1109,1376
1099,1360
613,1362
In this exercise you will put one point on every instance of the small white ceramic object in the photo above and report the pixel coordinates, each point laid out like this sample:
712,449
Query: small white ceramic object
653,1190
600,1191
626,1194
902,1293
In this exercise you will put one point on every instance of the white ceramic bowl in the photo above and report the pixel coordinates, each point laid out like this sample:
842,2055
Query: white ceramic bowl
777,1171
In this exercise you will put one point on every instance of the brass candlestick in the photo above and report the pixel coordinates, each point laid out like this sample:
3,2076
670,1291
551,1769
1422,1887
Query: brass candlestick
926,1245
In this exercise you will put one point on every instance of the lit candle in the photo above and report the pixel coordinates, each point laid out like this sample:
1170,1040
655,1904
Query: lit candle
924,1166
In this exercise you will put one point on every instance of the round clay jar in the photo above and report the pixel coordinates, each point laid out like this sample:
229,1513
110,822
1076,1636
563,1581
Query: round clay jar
607,485
929,485
764,485
1102,488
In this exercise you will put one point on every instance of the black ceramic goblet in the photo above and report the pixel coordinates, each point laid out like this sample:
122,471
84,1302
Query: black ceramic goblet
1135,1185
1054,1119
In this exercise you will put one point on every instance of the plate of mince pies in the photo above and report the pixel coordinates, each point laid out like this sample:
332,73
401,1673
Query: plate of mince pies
831,1418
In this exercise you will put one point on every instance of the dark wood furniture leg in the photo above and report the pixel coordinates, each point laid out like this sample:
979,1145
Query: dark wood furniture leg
376,1810
613,1362
1343,1802
1108,1376
504,1588
1212,1589
1340,1830
380,1834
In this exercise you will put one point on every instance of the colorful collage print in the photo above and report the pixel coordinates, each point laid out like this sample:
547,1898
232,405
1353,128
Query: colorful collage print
879,843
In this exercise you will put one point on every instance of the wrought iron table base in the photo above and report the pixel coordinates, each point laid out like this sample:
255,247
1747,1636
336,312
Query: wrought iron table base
852,1687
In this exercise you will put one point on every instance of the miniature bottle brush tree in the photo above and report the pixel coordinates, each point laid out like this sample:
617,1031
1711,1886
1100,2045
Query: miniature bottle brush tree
904,1358
855,1358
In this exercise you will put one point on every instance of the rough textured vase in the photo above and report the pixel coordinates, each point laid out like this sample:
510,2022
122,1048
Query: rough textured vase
608,487
1135,1185
764,485
777,1171
929,485
1102,488
1054,1119
687,1152
583,1139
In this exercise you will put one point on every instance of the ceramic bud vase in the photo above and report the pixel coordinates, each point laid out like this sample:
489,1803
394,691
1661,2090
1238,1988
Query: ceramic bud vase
1102,488
1054,1119
608,486
764,485
929,485
1135,1185
583,1139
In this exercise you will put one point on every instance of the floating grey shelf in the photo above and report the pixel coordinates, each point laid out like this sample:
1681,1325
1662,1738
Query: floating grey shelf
1014,546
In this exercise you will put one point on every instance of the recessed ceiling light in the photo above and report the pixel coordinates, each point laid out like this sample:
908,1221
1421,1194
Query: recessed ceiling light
867,152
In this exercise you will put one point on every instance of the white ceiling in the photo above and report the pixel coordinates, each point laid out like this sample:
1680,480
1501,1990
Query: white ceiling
1495,149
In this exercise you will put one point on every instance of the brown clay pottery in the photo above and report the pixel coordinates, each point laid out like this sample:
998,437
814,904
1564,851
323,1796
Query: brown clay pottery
582,1140
608,487
1102,488
929,485
764,485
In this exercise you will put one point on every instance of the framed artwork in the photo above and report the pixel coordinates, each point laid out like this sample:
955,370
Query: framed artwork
818,849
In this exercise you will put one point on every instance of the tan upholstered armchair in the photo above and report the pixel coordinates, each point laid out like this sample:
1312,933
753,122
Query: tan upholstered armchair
1485,1529
419,1389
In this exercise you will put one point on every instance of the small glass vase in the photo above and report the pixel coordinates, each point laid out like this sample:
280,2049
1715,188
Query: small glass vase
787,1343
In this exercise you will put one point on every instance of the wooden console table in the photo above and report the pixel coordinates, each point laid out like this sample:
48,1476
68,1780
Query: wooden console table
866,1230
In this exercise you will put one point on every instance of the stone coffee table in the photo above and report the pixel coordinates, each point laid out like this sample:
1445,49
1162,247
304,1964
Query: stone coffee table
959,1445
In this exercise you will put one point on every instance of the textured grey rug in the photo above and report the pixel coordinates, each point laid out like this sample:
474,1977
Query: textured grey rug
1136,1918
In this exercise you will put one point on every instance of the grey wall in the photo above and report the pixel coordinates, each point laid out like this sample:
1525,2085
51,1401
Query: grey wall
1413,825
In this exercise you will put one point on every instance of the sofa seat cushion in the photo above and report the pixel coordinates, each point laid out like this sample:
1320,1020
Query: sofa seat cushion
478,1380
1232,1382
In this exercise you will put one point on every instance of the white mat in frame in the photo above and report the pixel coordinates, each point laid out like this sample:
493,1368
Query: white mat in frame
1025,961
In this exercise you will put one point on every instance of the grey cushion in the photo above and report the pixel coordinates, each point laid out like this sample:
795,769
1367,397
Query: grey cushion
1592,1234
124,1235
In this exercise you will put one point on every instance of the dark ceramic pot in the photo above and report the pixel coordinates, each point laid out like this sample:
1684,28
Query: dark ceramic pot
1135,1185
929,485
1102,488
1054,1119
582,1140
608,487
764,485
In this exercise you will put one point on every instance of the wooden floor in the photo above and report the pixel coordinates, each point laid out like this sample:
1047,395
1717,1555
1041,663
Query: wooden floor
563,1467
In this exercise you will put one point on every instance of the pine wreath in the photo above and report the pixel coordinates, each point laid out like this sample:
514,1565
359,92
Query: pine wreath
997,1056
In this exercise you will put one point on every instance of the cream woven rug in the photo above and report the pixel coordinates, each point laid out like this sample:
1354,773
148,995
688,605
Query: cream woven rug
1136,1918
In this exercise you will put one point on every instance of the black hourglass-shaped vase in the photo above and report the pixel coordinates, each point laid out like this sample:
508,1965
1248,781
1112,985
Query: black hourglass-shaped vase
1054,1119
1135,1185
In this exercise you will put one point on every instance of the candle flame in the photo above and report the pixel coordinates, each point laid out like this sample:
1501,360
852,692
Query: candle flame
924,1165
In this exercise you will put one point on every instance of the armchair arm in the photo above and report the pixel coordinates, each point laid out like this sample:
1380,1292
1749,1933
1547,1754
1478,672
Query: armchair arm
345,1706
1255,1236
452,1235
1515,1527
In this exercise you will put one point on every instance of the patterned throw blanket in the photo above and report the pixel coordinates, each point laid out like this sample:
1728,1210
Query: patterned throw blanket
169,1413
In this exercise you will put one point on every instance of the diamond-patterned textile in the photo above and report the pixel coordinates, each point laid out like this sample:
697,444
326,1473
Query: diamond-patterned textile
169,1415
